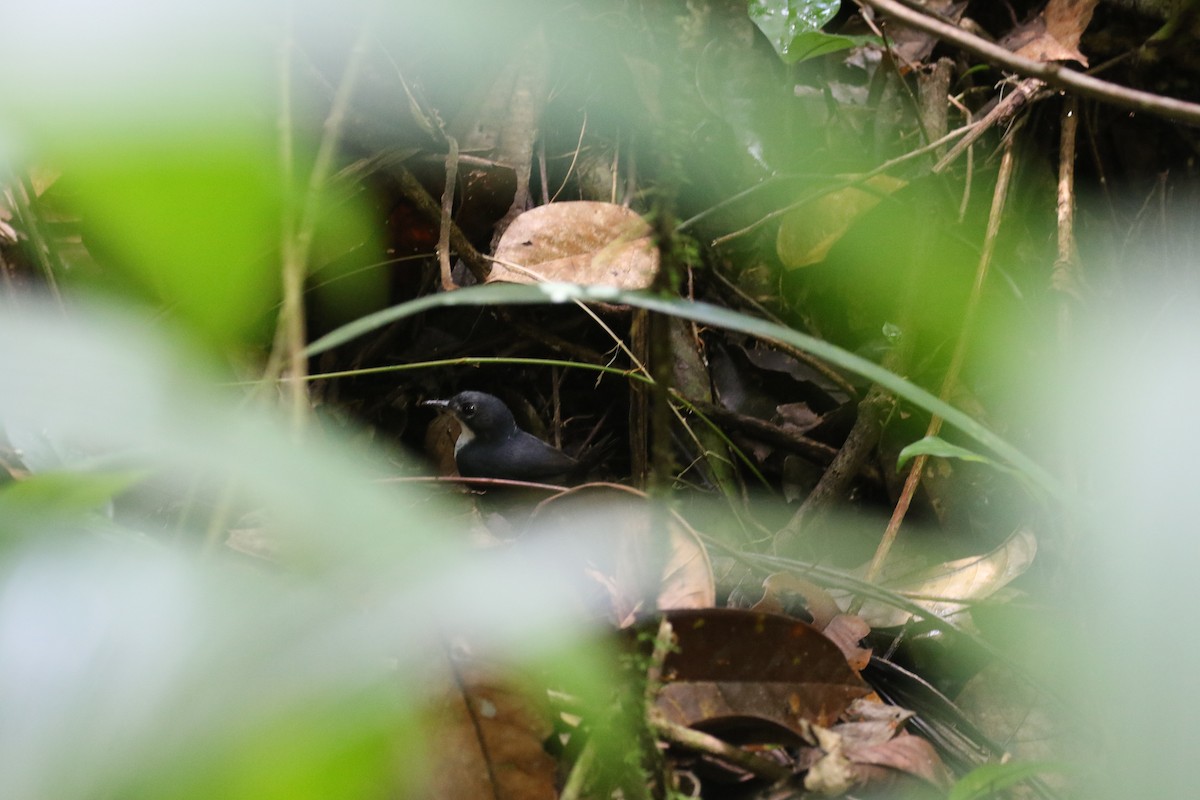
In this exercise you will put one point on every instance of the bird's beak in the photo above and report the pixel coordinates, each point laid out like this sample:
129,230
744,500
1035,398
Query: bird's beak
443,405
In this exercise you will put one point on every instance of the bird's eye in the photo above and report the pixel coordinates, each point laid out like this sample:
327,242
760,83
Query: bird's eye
468,409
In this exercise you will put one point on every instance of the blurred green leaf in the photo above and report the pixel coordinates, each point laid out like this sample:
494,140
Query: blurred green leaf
154,671
65,492
350,272
813,44
939,448
990,779
194,221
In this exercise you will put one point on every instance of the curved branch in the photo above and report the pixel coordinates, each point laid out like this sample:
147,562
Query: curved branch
1052,73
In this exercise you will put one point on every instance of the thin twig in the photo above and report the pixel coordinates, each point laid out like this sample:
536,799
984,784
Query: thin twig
432,211
574,158
1065,278
297,242
1003,111
917,467
845,466
711,745
443,245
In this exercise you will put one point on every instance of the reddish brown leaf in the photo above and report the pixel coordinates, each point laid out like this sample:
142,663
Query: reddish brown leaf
752,671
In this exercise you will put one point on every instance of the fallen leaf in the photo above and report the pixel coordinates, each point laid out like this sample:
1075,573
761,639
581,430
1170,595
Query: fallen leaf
752,674
954,583
780,587
584,242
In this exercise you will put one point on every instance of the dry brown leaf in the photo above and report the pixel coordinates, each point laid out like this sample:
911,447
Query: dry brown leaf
1053,35
757,674
777,588
954,583
906,753
832,774
585,242
870,751
913,46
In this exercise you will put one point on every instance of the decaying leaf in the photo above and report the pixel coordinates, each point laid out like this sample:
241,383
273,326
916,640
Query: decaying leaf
754,674
869,749
846,631
585,242
912,46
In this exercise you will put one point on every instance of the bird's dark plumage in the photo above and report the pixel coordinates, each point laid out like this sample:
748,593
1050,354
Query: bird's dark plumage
492,446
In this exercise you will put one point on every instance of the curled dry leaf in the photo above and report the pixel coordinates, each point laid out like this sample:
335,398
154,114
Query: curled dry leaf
780,587
870,750
584,242
906,753
832,773
954,583
1053,35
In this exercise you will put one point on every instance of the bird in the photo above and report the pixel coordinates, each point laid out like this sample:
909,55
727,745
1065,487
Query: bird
491,445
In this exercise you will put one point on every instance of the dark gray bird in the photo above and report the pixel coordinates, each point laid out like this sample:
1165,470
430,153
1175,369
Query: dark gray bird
492,446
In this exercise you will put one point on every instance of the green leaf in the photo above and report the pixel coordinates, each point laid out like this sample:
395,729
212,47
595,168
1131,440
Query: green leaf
550,293
818,43
784,21
191,222
940,448
989,779
66,492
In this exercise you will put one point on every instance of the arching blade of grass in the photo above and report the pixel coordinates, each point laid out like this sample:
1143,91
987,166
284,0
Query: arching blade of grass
552,293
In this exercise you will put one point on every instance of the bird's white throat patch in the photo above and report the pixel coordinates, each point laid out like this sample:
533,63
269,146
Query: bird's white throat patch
465,437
